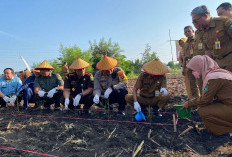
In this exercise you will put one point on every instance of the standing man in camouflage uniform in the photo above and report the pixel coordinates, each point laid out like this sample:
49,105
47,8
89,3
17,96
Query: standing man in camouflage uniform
153,88
48,86
78,86
111,82
217,36
188,54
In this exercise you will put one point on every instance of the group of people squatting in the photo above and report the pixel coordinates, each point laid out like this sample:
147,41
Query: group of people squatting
205,58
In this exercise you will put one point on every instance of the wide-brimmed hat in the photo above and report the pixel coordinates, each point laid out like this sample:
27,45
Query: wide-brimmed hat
107,63
44,65
79,64
37,71
155,67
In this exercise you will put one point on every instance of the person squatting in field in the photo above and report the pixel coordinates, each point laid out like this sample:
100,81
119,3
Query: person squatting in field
9,85
78,87
48,86
215,104
153,88
110,82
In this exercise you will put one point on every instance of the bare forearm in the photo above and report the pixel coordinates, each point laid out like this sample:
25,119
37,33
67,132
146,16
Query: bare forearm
61,87
66,93
135,94
87,91
37,90
2,95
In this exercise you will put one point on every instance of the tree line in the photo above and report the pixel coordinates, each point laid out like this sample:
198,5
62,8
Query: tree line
95,52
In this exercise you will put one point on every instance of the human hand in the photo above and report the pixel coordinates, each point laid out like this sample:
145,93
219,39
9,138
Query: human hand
96,99
77,100
41,93
186,106
12,100
6,99
137,107
164,91
52,92
107,93
66,103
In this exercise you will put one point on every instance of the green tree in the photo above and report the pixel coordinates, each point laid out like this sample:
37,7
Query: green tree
70,54
137,65
172,65
105,48
111,49
147,55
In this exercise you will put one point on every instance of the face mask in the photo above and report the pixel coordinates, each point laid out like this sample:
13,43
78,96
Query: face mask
196,74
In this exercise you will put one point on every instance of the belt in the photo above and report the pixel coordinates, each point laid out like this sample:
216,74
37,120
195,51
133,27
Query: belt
221,57
146,96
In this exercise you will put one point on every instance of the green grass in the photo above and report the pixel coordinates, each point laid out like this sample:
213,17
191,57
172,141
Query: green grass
174,72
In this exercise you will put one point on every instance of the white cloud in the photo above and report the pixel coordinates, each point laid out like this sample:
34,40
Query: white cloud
9,35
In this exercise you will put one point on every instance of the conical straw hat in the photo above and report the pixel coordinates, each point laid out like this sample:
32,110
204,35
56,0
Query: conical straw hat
107,63
44,65
79,64
37,71
155,67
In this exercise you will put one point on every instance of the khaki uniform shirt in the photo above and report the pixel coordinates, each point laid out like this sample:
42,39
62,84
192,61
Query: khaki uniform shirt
215,90
188,51
117,80
78,84
220,29
150,85
199,47
48,83
65,70
181,57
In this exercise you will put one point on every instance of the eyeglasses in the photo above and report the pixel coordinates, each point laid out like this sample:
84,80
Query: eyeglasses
195,21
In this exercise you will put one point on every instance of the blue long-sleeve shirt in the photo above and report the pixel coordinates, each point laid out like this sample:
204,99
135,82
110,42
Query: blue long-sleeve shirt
11,87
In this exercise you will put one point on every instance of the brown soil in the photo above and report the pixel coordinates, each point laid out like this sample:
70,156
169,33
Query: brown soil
84,138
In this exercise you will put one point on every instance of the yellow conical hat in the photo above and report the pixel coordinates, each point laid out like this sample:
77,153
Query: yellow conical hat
44,65
155,67
106,63
79,64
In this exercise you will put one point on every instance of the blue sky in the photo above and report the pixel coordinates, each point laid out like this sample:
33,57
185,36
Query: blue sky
36,28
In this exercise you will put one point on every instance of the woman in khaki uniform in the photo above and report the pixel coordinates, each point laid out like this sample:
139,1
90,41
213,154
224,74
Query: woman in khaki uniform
152,86
215,105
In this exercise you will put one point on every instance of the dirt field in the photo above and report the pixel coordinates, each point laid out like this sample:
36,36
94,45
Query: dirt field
74,134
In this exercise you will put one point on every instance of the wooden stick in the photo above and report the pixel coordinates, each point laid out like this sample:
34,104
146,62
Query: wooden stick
111,133
138,149
174,122
154,141
186,130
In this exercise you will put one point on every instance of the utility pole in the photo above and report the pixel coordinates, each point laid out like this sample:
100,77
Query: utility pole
170,40
170,43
